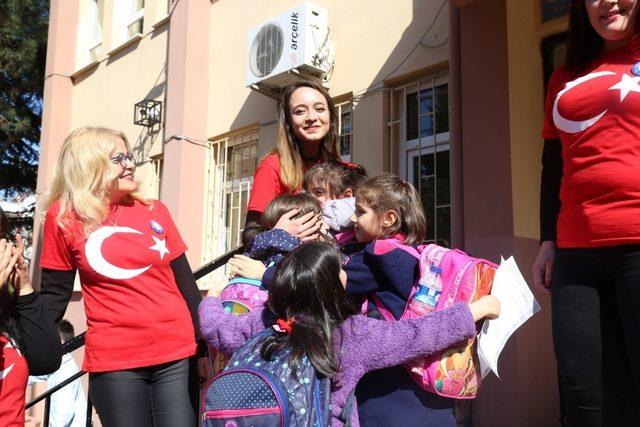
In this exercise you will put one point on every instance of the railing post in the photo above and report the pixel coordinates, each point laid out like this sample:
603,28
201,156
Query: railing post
89,411
47,408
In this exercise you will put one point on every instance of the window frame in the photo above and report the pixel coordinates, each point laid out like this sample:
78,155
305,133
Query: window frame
218,235
407,150
341,107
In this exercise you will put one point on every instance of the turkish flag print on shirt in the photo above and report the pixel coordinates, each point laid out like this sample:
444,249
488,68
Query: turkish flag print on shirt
136,315
13,382
596,115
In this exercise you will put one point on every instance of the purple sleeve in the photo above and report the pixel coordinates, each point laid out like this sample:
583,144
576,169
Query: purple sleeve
369,344
225,331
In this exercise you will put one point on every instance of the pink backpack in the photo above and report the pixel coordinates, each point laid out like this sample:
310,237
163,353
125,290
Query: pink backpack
447,276
241,295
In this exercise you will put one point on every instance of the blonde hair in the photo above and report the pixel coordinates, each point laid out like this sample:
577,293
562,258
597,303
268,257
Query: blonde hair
291,162
388,192
84,176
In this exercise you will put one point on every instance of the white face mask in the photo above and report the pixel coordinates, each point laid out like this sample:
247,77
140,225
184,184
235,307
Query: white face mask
337,213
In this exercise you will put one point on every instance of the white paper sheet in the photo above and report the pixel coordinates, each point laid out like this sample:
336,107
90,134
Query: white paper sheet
517,304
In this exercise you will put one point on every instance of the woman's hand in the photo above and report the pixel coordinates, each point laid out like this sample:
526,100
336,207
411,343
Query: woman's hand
486,306
246,267
543,266
305,228
8,260
20,275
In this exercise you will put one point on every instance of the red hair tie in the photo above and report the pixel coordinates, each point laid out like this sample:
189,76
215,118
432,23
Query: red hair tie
284,326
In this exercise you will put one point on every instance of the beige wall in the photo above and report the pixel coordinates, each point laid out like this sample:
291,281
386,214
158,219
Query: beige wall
526,106
105,95
369,43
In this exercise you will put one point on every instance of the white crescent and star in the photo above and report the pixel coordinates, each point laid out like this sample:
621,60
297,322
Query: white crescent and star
5,371
93,252
626,85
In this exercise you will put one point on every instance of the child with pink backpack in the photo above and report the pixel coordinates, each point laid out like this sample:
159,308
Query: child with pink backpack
398,279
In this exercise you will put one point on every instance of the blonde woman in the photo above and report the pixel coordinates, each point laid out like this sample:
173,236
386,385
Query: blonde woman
308,135
139,295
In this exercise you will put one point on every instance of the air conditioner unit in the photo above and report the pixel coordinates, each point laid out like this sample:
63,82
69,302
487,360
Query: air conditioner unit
291,46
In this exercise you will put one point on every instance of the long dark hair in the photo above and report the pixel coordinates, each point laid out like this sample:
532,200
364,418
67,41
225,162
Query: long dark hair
584,43
306,287
8,313
9,316
288,148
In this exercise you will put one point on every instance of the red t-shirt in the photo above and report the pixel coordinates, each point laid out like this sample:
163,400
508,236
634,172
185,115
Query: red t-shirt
266,183
13,382
596,115
136,315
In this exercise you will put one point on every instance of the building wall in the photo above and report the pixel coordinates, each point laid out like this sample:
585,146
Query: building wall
369,43
534,345
105,94
502,100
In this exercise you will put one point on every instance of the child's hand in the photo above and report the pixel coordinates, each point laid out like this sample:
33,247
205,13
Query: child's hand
20,274
246,267
487,306
8,260
304,228
215,290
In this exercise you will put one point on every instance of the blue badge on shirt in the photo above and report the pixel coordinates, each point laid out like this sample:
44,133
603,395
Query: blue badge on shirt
155,226
636,69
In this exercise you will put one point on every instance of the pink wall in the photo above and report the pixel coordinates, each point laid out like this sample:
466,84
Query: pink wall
527,393
183,184
57,102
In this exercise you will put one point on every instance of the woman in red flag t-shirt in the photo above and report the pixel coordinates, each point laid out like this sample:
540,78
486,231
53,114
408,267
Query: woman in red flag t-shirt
308,134
590,214
139,294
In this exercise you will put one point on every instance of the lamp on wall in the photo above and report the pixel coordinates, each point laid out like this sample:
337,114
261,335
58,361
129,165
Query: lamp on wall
147,113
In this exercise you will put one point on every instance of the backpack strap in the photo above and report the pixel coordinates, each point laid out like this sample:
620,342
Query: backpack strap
245,281
407,248
435,253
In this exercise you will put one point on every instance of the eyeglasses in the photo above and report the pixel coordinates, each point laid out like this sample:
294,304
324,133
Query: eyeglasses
122,159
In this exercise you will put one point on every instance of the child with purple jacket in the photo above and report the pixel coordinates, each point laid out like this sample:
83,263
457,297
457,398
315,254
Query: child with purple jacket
308,294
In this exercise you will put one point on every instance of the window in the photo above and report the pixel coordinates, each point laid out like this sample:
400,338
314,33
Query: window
89,42
345,130
136,18
231,164
128,21
155,181
419,127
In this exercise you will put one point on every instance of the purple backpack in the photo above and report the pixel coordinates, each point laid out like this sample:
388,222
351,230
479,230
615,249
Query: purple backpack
251,391
241,295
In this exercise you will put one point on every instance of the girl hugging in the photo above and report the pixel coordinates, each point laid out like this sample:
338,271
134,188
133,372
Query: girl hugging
313,319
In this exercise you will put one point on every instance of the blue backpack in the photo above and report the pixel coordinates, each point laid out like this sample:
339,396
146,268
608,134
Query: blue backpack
251,391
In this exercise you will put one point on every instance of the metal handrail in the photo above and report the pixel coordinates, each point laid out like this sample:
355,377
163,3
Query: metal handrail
79,340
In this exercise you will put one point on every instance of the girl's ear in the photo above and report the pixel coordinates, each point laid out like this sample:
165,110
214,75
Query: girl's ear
389,218
347,193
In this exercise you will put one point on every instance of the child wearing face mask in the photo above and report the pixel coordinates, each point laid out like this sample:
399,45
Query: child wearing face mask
334,184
